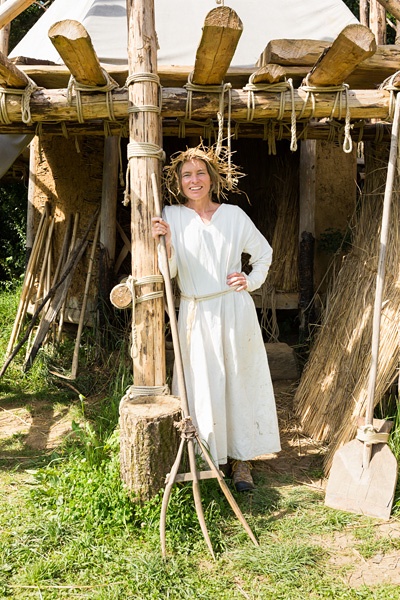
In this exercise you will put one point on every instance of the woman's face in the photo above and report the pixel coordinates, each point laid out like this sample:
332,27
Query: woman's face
195,180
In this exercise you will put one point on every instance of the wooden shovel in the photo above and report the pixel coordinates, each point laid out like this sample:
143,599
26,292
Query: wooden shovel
363,476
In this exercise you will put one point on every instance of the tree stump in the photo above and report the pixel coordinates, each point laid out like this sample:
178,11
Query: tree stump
149,442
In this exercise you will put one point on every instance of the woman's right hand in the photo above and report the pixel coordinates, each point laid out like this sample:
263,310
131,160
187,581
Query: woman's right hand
160,227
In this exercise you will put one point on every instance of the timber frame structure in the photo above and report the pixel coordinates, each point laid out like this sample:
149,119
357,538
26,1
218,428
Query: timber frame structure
300,90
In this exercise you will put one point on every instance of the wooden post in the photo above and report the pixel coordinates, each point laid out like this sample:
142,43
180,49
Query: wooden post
108,220
144,128
306,233
364,12
4,36
377,21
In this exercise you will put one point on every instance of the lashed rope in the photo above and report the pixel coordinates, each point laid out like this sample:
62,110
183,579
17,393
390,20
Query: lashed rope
132,285
388,85
280,87
25,94
142,149
221,89
311,90
74,87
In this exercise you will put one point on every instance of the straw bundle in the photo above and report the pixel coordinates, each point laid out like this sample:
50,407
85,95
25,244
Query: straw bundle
333,389
283,275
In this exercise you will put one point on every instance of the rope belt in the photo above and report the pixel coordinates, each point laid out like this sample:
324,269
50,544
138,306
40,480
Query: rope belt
193,301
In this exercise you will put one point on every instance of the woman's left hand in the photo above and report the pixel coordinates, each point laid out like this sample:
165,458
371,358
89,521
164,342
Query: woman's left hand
238,281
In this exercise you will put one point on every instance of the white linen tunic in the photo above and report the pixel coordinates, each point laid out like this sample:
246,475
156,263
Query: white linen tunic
228,382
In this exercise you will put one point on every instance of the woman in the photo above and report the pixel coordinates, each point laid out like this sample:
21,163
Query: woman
229,388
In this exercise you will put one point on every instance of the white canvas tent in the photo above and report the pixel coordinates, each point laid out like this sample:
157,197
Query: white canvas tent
178,23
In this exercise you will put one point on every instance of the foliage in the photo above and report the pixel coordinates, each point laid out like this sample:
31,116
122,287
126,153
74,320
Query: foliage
25,20
13,226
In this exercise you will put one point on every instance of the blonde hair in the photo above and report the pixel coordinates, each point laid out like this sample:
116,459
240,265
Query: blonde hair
223,174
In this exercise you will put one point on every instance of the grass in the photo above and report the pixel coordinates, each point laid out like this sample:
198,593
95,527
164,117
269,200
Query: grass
69,530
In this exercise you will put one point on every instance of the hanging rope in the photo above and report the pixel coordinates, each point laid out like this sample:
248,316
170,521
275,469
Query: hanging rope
76,88
280,87
26,94
311,90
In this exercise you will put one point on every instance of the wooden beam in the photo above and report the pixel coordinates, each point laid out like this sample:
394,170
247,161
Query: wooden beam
221,33
392,6
353,45
311,131
10,75
11,9
52,105
74,45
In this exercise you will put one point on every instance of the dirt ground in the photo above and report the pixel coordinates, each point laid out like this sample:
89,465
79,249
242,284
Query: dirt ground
41,427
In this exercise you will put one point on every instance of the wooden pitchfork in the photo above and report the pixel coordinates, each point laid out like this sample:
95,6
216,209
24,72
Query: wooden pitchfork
188,431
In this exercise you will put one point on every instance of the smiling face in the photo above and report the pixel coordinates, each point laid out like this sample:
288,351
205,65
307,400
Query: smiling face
195,181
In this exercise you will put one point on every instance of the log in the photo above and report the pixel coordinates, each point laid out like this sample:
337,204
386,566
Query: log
221,33
148,442
353,45
293,52
392,6
10,75
121,296
52,105
11,9
144,128
74,45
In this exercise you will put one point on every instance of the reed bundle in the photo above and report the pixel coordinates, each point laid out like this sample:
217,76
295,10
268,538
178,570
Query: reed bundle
333,389
283,275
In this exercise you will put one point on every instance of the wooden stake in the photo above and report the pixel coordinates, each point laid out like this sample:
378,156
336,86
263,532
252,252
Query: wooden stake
28,282
75,359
